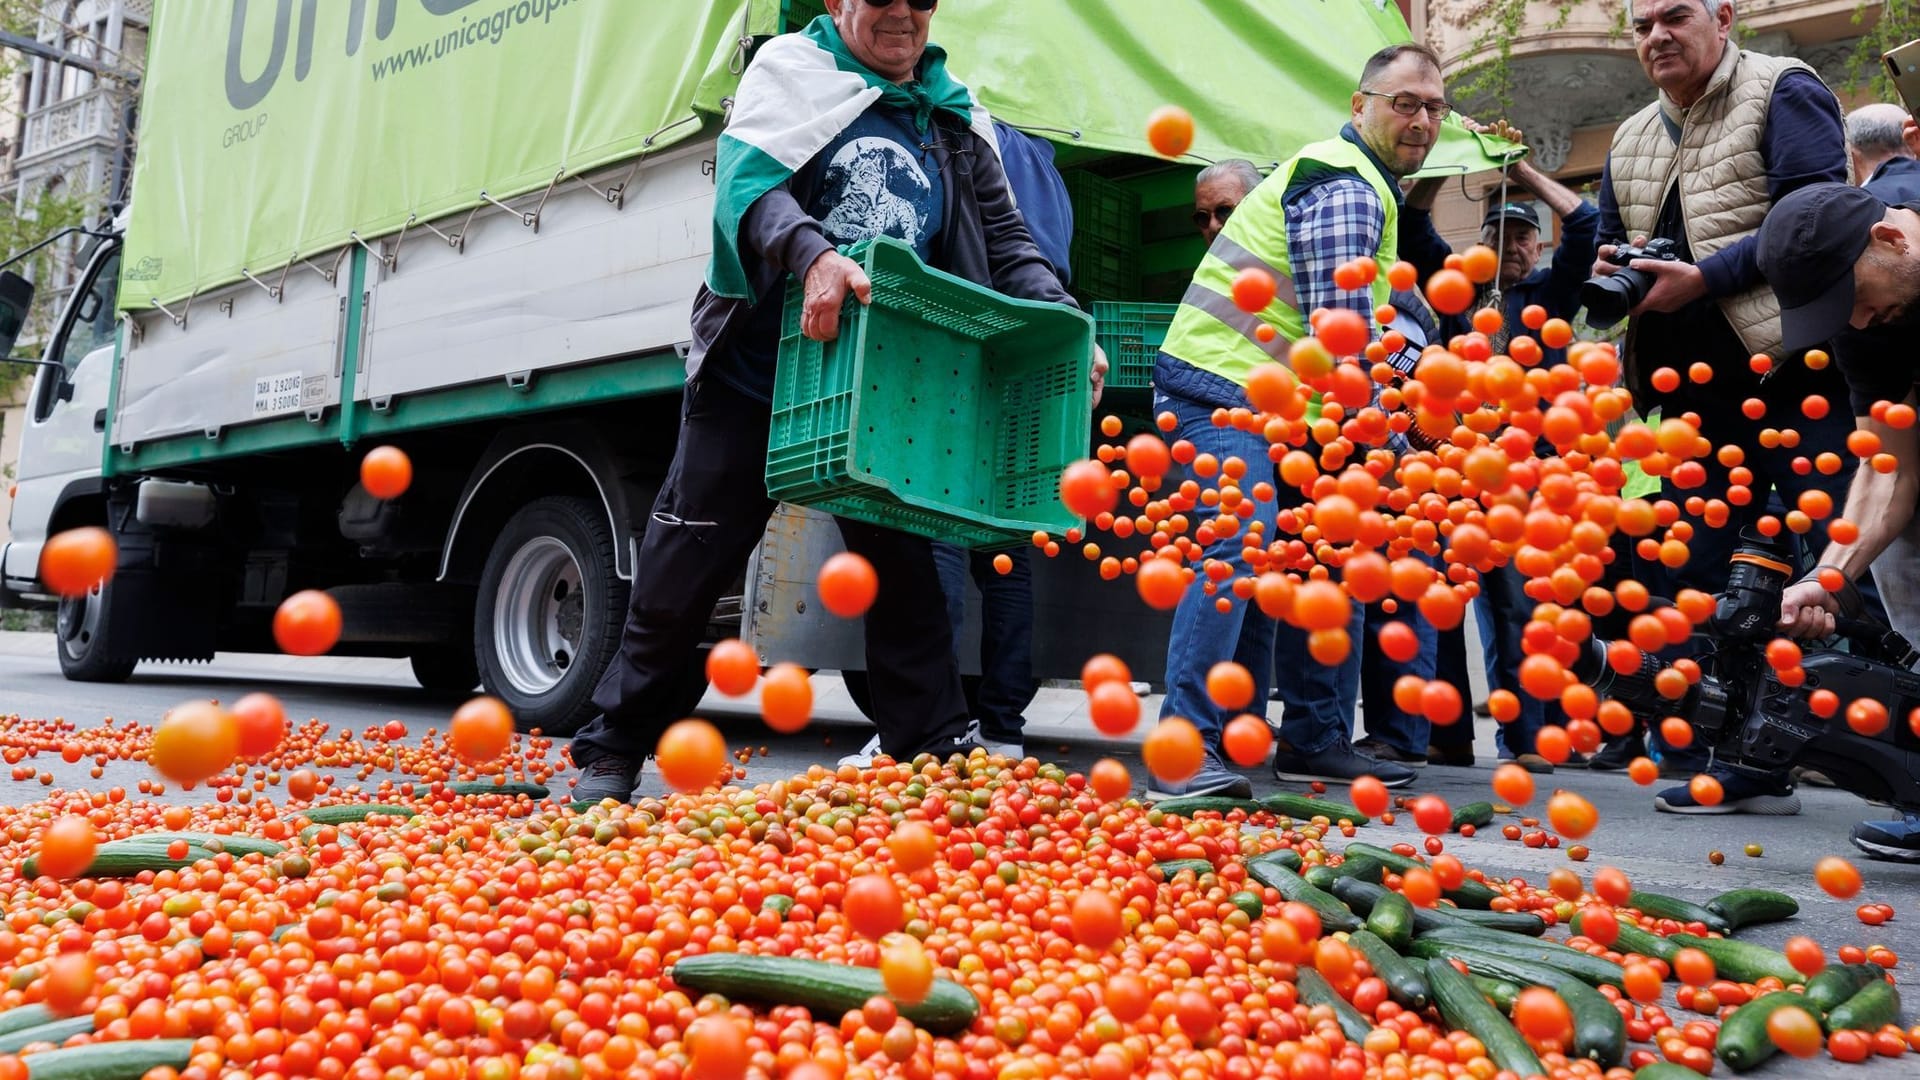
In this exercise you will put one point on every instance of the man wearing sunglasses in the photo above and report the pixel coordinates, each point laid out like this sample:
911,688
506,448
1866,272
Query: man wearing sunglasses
1335,201
845,131
1218,190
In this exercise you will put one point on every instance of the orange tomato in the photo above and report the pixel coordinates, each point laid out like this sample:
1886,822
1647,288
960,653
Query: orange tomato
195,741
1229,685
732,667
786,698
1795,1031
1542,1016
1113,707
307,623
69,981
481,731
691,754
1110,780
1086,489
74,561
1571,815
1096,920
873,906
1247,740
716,1046
1450,292
262,725
1170,130
1160,583
1513,783
906,970
1369,796
1837,876
1173,750
848,584
386,472
67,847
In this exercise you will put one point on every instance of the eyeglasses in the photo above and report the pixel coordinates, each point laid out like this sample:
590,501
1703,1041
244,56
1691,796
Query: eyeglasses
1407,104
1219,213
917,5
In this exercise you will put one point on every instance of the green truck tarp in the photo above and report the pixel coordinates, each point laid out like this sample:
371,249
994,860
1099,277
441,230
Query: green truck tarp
277,129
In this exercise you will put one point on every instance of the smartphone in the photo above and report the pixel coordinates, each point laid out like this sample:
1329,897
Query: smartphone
1903,67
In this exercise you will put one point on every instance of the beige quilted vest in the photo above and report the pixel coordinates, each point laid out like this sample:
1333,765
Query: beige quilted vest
1722,177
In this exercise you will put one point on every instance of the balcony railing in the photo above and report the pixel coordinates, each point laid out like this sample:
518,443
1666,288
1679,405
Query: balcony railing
58,126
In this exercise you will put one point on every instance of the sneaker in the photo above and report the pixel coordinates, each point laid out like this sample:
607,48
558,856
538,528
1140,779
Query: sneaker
1483,709
1214,778
608,776
1895,841
1803,775
1619,753
863,757
1339,763
1014,751
1461,757
1744,794
1533,763
1386,751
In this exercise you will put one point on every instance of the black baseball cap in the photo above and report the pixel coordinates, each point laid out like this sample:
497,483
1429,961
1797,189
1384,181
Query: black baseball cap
1524,213
1806,249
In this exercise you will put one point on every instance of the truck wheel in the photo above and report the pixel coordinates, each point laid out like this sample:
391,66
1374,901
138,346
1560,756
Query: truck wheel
446,669
80,629
550,610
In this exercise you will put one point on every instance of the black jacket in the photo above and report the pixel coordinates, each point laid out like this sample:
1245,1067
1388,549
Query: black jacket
982,239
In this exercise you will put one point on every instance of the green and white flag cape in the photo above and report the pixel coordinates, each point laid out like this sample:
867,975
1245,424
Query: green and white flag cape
800,91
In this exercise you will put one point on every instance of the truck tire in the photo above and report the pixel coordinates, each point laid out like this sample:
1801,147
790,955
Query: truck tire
551,606
446,669
80,637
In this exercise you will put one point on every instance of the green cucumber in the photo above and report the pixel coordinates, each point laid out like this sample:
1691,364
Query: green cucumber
1871,1008
1664,1070
1509,922
1672,907
1172,867
1469,894
1589,969
824,989
1334,916
1743,1041
1362,895
1392,919
345,813
1299,806
1320,876
55,1032
1286,856
1499,991
779,904
1599,1031
1477,814
1741,961
237,846
1315,990
1463,1007
1405,982
1632,939
1835,983
511,788
127,858
1188,805
129,1060
1249,901
1362,867
25,1016
1746,907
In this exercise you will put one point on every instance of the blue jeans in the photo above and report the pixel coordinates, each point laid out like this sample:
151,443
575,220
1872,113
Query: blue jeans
998,697
1384,721
1202,635
1503,609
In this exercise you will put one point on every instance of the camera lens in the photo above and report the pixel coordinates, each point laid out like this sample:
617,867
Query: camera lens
1608,297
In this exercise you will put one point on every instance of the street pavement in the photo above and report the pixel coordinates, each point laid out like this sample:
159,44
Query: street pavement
1660,852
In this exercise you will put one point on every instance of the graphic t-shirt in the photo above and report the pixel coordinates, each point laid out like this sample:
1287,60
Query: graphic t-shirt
879,177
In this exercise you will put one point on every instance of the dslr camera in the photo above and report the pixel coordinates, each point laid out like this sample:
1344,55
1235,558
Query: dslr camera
1751,719
1608,297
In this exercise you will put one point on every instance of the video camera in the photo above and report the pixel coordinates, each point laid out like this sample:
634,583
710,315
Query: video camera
1748,719
1608,297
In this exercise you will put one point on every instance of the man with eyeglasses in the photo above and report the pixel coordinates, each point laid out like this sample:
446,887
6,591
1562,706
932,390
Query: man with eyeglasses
1730,134
845,131
1218,190
1335,201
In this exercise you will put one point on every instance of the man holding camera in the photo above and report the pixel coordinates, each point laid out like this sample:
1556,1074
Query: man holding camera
1846,268
1731,133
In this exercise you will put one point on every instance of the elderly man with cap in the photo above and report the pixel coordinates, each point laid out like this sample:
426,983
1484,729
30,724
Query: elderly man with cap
1512,228
1846,269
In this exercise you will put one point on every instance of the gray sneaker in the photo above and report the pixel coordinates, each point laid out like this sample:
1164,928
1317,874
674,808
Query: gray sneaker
1214,778
609,776
1339,764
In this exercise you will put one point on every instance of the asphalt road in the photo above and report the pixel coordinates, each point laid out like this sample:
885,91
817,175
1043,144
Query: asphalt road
1660,852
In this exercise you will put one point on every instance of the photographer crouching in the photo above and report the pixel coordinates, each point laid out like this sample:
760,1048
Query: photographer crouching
1689,179
1846,269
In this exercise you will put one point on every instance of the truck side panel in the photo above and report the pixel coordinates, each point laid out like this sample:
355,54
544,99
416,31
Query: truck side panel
595,281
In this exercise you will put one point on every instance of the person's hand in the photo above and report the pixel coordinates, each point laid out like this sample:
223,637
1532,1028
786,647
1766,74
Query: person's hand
1603,264
1499,129
1910,135
828,281
1675,285
1807,610
1099,374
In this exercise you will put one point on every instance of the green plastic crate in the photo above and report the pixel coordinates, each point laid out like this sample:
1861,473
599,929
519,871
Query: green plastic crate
943,409
796,14
1105,253
1132,335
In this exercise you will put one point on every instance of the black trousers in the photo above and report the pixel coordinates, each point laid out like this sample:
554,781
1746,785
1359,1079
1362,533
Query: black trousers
710,513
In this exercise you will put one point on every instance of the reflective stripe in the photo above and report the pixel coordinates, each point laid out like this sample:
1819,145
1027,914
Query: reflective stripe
1231,253
1245,323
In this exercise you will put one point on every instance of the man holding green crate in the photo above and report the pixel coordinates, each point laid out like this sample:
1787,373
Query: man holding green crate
848,130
